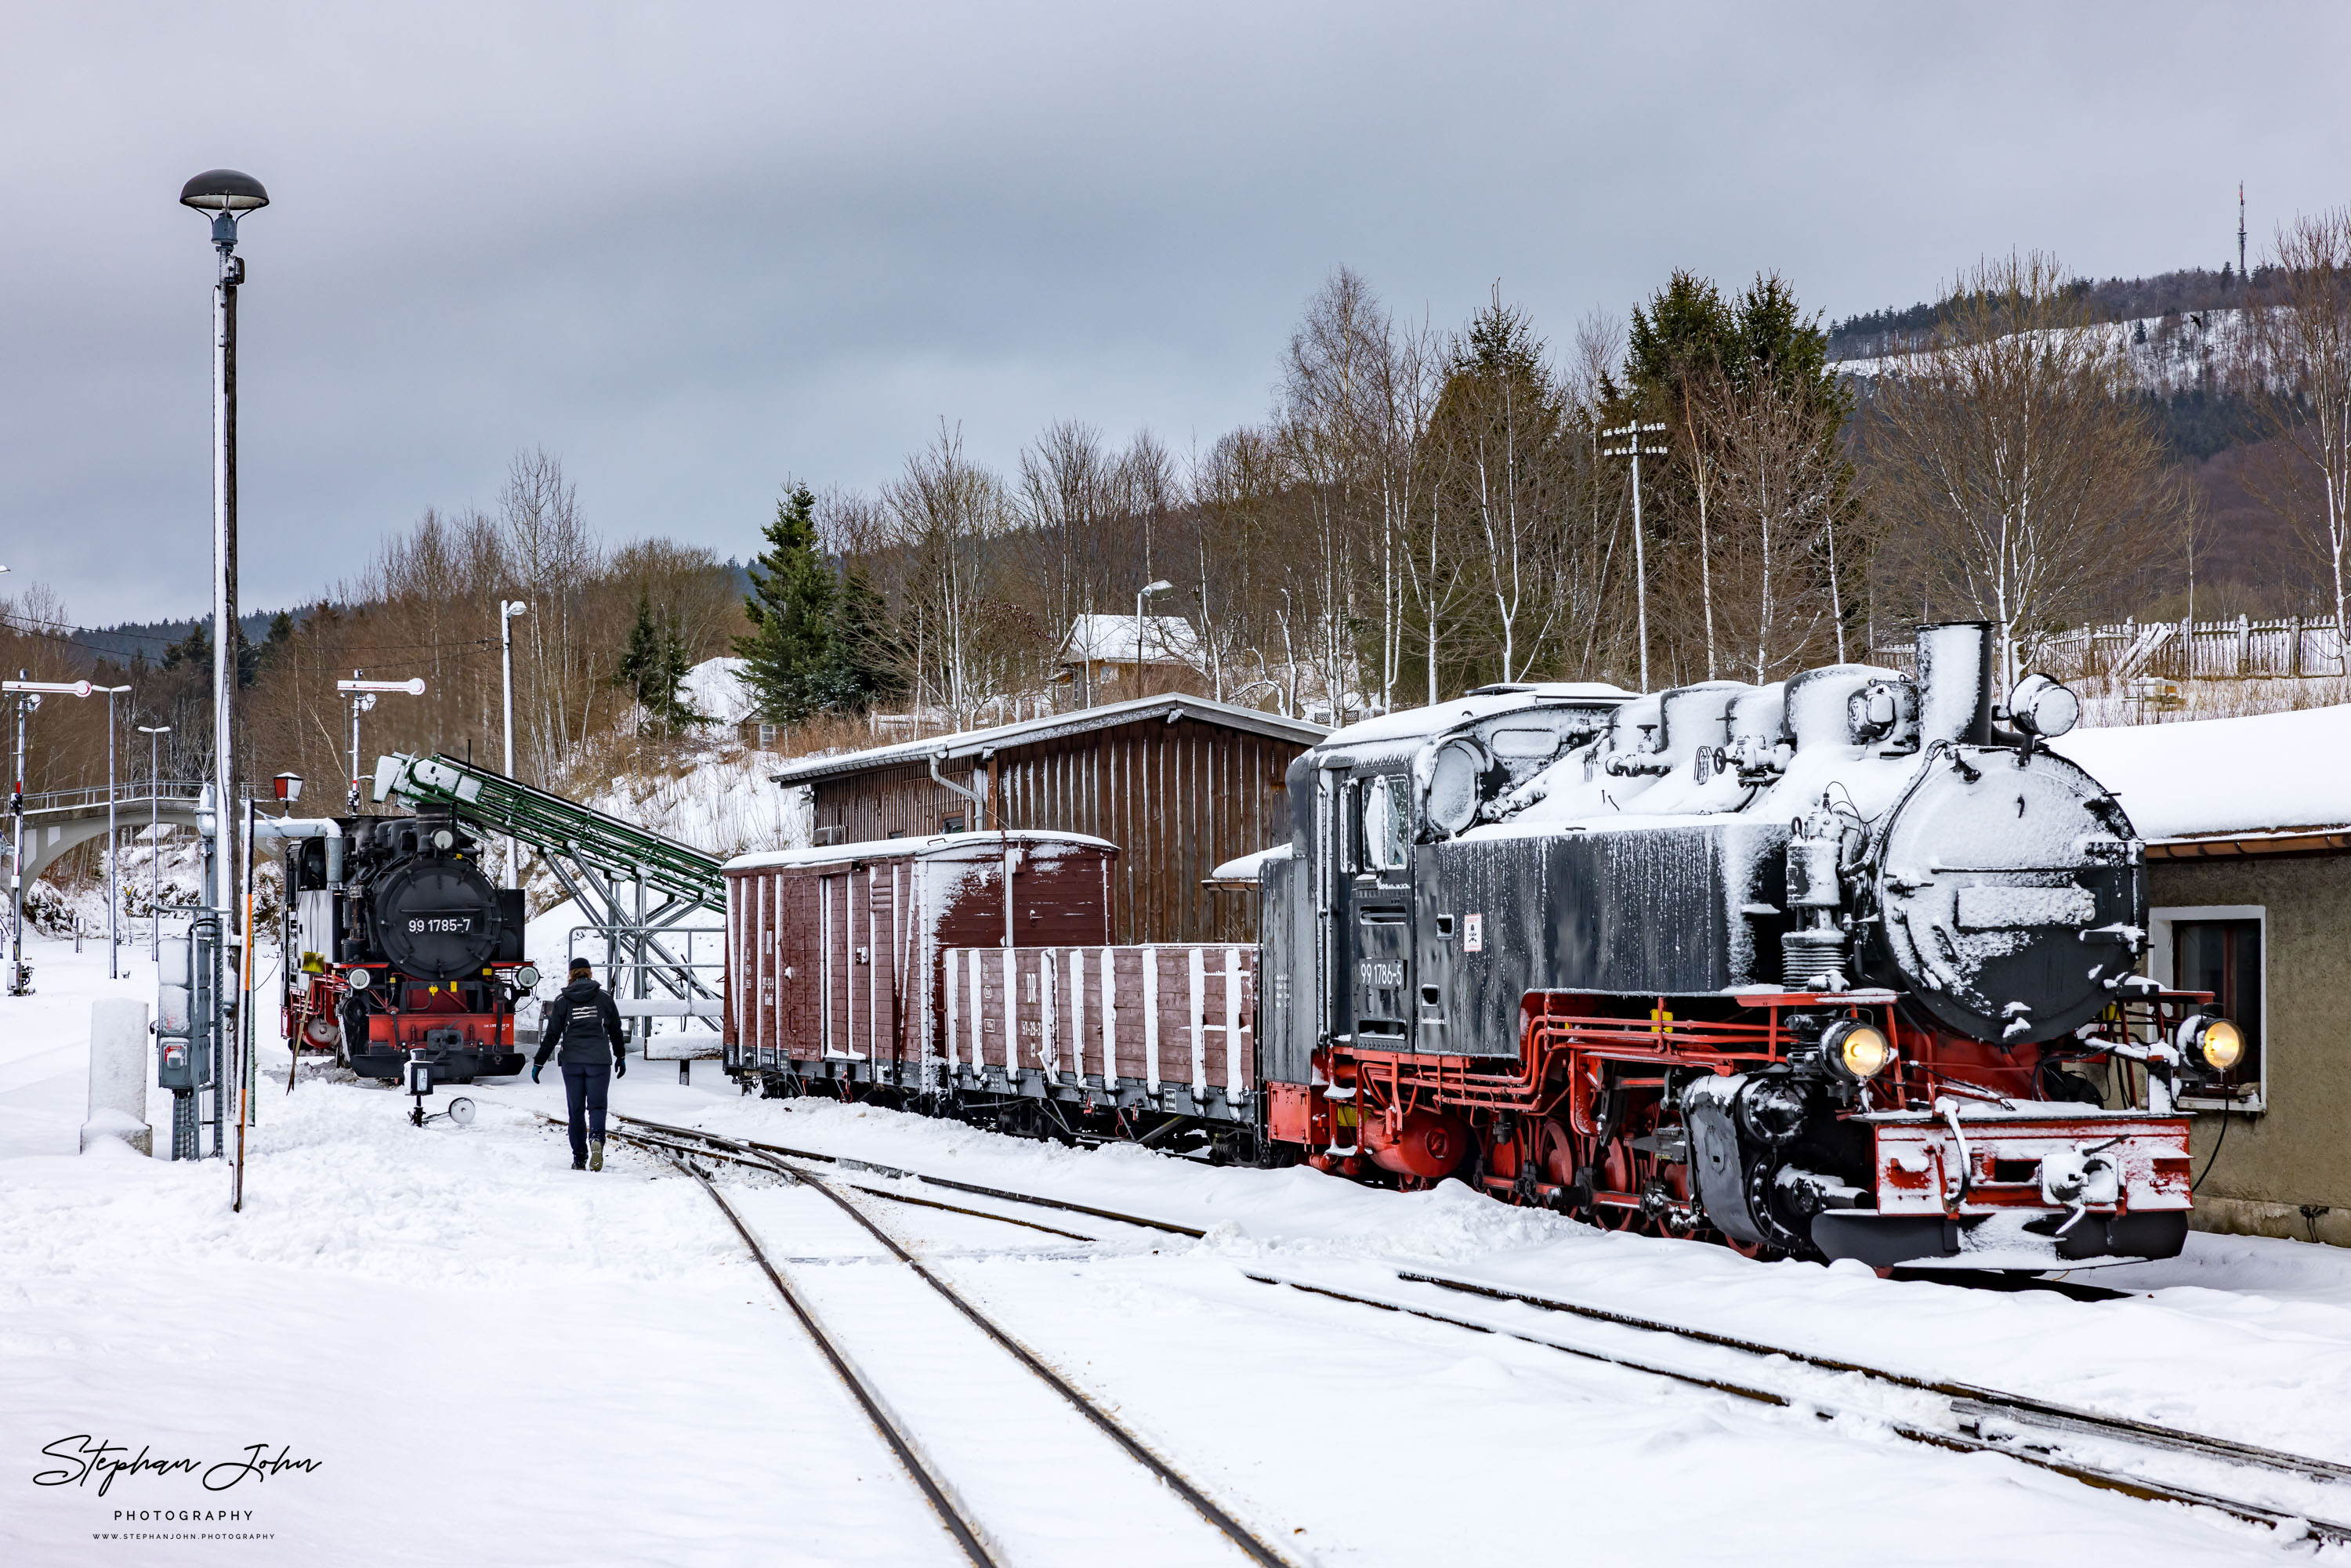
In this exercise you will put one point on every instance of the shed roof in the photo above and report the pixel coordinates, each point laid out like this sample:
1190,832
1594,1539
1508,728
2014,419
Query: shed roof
2281,775
1165,708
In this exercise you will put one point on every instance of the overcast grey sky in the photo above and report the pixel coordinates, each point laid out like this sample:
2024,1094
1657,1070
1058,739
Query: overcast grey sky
692,248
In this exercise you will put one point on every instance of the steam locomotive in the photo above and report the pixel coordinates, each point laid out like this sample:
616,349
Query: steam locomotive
1843,966
404,948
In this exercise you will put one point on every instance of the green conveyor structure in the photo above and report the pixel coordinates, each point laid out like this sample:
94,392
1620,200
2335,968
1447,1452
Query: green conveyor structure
556,828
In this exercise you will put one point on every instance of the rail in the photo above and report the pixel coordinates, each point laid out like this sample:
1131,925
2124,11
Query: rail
968,1534
1977,1415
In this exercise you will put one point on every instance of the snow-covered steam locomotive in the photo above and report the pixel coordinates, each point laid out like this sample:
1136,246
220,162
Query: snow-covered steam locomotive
399,945
1841,967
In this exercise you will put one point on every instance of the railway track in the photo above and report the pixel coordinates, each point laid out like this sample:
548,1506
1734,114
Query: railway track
2028,1430
683,1149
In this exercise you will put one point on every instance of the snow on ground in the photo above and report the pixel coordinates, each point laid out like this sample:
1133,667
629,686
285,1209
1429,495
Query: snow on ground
495,1359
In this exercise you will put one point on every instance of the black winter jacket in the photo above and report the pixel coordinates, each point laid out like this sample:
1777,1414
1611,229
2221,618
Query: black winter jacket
585,1023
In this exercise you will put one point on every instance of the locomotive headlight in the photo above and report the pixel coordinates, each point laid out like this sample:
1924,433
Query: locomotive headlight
2220,1043
527,977
359,979
1860,1051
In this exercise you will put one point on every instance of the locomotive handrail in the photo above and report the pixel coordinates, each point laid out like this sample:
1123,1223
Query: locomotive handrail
548,822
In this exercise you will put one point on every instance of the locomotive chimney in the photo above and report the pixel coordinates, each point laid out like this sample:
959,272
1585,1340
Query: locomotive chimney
1955,682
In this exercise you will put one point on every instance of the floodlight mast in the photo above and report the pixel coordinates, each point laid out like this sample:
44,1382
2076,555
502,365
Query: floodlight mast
1633,448
227,195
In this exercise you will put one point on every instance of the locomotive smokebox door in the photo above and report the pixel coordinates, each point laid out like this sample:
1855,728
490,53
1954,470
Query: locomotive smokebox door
438,919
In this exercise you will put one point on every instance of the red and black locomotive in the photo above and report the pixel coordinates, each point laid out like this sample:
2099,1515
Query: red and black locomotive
399,948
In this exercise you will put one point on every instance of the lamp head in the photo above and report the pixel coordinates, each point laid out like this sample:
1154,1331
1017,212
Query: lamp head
1162,586
289,785
223,191
227,195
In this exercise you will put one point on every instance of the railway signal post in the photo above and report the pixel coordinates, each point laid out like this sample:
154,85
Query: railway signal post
363,694
28,694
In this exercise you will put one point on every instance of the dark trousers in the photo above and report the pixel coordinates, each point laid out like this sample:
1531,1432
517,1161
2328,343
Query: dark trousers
585,1085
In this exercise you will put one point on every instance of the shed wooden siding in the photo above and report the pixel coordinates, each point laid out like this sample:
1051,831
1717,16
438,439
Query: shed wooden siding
1178,800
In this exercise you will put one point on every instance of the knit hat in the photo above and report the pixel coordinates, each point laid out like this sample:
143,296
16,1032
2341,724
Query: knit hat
580,966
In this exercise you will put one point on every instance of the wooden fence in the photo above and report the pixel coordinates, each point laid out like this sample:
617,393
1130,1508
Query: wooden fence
2295,648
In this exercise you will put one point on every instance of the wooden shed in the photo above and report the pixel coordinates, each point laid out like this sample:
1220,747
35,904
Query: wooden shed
1180,784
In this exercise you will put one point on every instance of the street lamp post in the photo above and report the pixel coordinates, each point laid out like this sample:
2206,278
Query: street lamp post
363,694
1148,588
29,697
113,845
227,195
508,609
154,734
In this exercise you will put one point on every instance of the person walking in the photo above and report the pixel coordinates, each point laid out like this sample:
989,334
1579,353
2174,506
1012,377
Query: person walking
585,1023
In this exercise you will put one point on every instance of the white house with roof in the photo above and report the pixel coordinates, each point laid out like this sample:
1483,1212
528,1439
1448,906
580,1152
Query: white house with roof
2248,830
1112,657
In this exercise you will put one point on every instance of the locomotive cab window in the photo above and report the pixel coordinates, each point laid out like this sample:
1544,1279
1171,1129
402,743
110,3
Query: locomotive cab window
1386,819
2220,949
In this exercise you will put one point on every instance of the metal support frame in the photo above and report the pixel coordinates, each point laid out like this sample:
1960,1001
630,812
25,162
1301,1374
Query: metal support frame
635,887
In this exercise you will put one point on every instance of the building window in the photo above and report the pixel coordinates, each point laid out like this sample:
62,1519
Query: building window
954,825
2220,949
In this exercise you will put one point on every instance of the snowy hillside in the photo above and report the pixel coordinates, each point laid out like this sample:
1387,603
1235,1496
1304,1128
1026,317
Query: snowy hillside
2166,353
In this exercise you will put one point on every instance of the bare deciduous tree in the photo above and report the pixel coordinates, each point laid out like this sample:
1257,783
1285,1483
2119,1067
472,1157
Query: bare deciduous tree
2297,348
2028,485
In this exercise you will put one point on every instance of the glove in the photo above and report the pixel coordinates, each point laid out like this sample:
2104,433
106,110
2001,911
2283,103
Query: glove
534,1071
620,1067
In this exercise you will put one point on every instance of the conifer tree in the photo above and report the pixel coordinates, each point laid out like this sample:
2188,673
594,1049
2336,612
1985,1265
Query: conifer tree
791,652
866,662
654,660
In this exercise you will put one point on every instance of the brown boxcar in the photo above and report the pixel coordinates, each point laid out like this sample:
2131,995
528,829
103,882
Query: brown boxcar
833,955
907,965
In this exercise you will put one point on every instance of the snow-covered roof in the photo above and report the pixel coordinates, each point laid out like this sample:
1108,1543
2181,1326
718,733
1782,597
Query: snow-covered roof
1166,639
1028,732
1407,724
987,843
1247,868
714,688
2268,773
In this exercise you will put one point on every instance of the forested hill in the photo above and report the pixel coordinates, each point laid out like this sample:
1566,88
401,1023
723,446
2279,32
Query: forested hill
2184,292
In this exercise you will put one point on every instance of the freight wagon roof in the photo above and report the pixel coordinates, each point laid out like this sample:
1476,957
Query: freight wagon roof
935,844
2268,773
1029,732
